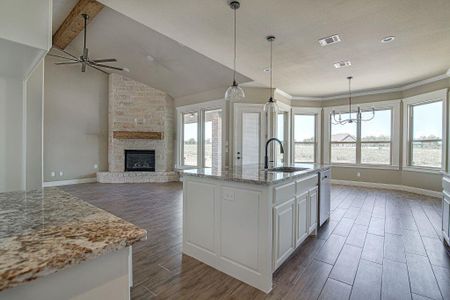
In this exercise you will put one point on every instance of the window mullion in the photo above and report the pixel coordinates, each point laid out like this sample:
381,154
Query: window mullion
358,143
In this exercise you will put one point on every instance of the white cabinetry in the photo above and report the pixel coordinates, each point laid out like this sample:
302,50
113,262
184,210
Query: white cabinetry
301,218
313,197
446,208
446,216
284,230
295,216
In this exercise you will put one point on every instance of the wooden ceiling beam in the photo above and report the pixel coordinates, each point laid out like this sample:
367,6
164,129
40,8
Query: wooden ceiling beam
73,24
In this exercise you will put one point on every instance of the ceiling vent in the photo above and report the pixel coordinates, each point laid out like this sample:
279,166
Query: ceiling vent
329,40
342,64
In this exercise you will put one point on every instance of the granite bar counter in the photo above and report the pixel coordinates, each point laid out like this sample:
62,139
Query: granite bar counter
247,221
45,234
255,174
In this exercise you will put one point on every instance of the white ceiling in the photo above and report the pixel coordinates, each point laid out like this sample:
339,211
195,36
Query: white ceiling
151,57
301,67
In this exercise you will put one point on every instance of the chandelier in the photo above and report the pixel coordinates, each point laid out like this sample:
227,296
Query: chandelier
358,117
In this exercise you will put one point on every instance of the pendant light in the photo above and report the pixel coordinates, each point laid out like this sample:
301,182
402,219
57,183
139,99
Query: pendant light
271,106
358,118
234,92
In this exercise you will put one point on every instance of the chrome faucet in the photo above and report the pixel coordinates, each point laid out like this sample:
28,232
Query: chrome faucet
266,158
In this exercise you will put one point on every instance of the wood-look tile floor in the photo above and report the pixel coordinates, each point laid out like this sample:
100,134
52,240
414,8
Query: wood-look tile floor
377,244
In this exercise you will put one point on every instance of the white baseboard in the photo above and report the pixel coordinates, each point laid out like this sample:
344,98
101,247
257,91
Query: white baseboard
70,181
396,187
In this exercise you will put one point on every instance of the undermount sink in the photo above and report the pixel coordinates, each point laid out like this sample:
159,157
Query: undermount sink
287,169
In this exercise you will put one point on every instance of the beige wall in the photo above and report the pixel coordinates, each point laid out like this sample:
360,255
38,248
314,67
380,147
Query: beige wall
34,105
11,144
75,122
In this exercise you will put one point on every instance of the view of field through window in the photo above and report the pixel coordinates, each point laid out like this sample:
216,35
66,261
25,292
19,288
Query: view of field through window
426,137
304,138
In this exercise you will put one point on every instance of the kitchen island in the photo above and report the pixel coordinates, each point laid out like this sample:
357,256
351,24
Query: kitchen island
247,221
56,246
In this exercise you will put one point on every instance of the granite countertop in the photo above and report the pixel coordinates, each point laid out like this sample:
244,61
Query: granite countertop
44,231
254,174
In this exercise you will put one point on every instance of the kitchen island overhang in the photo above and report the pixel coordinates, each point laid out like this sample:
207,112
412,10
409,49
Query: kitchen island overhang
56,246
246,222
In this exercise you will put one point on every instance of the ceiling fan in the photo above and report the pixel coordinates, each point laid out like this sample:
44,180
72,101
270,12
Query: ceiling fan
84,59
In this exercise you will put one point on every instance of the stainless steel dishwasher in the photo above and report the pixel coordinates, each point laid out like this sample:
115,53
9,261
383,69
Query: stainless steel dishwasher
324,196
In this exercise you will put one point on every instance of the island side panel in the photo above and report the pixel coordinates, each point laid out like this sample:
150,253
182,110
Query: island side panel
228,226
105,277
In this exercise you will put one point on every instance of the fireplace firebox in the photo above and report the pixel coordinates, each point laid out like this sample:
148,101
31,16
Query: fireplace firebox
139,160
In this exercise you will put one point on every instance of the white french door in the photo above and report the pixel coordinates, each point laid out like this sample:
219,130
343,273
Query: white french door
249,134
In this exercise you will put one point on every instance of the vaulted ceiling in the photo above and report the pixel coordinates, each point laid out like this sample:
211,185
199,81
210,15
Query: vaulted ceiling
301,66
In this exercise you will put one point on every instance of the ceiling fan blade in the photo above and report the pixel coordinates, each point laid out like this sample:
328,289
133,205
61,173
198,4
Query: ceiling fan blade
68,53
60,56
68,63
109,67
94,67
104,60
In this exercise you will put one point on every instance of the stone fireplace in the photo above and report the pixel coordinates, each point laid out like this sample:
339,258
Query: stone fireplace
141,126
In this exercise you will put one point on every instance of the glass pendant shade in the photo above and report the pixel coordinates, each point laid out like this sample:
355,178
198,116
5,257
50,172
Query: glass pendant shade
234,93
271,106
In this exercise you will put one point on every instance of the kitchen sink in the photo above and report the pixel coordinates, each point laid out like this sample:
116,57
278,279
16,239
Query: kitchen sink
288,169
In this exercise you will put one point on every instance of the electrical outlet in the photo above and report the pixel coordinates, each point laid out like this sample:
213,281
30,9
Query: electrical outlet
52,174
358,174
61,173
96,166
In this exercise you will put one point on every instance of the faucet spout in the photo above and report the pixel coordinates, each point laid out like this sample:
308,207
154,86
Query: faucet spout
266,157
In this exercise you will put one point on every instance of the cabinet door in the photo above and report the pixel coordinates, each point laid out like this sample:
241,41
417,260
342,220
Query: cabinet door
301,218
284,228
313,201
445,214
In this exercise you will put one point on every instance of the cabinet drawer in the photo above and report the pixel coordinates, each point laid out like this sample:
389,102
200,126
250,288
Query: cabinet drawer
284,192
306,183
446,184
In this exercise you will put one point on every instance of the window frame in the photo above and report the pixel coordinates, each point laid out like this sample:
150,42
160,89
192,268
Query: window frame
408,104
199,108
394,106
308,111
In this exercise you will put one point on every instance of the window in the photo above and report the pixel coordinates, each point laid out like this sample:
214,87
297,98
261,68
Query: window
343,142
282,117
304,138
212,138
376,138
372,143
200,142
426,135
190,139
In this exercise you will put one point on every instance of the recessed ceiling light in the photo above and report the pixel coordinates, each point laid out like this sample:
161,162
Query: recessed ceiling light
150,58
342,64
388,39
329,40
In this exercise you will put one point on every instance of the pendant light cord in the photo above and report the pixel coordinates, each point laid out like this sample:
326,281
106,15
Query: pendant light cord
271,73
350,96
234,61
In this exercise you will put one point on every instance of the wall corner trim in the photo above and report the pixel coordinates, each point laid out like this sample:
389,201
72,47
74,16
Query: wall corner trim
395,187
68,182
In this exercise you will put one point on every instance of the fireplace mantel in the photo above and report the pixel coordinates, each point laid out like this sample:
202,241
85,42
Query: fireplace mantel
142,135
